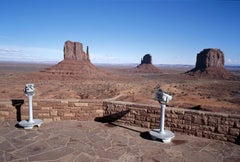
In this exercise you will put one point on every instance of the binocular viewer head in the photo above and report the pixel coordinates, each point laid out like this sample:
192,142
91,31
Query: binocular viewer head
163,97
29,89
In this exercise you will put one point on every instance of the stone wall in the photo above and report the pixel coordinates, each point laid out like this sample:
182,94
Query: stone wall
52,109
211,125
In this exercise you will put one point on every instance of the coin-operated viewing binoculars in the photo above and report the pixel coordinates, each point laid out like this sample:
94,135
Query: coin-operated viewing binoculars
164,135
29,124
163,98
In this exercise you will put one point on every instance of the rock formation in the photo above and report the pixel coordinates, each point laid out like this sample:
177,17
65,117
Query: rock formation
147,59
74,51
146,65
210,64
76,63
210,58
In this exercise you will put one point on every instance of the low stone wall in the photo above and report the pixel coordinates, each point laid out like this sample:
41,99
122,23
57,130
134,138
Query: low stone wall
52,109
211,125
219,126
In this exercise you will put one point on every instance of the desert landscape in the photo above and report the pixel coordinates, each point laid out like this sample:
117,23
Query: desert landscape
74,78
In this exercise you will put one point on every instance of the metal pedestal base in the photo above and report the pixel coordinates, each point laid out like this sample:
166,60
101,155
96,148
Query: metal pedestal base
29,125
166,136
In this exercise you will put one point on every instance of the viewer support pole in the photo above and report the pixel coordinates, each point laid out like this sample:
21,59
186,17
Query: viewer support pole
162,118
30,109
164,135
30,123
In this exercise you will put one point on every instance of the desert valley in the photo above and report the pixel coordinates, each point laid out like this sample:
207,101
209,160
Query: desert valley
77,78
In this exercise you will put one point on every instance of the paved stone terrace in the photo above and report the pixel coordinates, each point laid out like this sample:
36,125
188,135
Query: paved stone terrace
68,141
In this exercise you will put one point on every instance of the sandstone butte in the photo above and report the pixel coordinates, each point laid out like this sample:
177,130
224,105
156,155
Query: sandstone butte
210,64
76,63
146,65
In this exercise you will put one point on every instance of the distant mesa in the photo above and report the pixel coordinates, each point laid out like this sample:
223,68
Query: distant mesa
147,59
210,64
210,58
76,63
146,65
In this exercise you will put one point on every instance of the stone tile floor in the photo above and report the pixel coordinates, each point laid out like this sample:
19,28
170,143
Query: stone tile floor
67,141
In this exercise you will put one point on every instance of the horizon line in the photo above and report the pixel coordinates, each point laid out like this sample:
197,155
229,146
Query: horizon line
97,63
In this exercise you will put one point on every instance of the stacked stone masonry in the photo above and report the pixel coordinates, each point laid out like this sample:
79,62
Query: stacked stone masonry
51,110
211,125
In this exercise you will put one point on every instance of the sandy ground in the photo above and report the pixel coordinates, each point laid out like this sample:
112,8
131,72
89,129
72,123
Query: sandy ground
126,85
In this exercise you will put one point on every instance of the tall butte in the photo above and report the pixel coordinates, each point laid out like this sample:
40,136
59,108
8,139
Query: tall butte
210,64
76,63
146,65
74,51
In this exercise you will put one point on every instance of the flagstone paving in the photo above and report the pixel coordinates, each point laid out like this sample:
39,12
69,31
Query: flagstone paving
77,141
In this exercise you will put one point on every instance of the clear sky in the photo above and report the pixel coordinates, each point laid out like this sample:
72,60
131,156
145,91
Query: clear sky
119,31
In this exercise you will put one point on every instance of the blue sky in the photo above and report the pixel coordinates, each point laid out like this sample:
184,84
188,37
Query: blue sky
119,31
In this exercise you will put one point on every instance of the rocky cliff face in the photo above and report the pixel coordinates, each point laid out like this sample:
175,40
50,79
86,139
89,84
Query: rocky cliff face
210,64
74,51
210,58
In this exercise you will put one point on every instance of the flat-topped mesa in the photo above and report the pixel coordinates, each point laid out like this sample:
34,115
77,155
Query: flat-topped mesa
210,64
74,51
210,57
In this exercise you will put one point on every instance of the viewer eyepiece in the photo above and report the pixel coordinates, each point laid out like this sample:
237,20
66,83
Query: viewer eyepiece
163,97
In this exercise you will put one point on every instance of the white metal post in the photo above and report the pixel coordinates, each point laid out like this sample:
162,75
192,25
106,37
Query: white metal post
163,106
30,109
164,135
30,123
